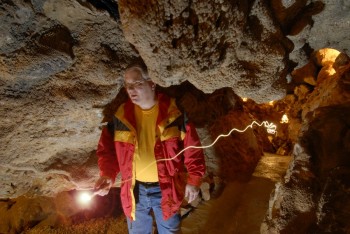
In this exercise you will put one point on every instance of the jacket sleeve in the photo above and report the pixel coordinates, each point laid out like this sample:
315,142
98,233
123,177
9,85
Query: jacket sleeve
107,158
193,158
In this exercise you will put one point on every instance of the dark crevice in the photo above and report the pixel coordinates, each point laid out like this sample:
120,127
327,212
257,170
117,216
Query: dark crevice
254,27
249,67
218,21
304,18
8,2
10,203
193,20
223,52
307,49
58,38
222,47
168,23
242,5
174,43
110,6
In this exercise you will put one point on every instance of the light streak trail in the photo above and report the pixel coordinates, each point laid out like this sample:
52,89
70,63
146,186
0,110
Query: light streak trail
270,128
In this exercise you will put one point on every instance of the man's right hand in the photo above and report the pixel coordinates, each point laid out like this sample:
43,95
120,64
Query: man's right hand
103,185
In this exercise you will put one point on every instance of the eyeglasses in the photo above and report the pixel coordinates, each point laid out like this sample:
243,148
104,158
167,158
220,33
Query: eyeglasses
136,84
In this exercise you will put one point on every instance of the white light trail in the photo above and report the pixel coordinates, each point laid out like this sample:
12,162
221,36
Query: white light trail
85,197
270,127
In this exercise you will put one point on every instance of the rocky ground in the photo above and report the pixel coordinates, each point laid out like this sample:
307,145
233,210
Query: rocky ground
240,208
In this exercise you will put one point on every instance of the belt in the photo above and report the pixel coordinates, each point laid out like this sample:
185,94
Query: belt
148,184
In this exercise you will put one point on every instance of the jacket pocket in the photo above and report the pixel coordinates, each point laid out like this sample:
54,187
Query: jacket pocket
173,160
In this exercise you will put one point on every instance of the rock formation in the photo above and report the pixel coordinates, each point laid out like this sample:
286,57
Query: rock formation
61,65
314,196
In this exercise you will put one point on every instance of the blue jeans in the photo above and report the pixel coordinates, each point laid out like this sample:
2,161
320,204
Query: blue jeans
149,199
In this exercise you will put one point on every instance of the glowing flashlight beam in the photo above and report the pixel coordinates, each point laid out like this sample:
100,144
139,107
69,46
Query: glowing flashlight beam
270,128
84,198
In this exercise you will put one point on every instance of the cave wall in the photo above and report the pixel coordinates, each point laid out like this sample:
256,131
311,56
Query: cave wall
314,195
61,66
61,63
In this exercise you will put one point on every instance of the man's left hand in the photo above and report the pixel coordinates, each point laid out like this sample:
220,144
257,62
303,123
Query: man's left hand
191,192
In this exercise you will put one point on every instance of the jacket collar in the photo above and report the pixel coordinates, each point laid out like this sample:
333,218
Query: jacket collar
168,112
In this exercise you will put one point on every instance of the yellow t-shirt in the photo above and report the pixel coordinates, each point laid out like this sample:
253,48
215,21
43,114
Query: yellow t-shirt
146,167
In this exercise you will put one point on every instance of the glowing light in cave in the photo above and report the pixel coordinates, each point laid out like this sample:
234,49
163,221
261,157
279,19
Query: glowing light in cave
284,119
271,103
245,99
84,198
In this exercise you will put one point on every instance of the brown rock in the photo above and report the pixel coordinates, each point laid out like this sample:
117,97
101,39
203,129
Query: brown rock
306,74
210,44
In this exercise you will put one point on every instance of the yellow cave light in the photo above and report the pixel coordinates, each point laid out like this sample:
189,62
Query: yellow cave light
245,99
271,103
284,119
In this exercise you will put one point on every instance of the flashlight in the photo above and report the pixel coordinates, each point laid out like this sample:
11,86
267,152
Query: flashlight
84,197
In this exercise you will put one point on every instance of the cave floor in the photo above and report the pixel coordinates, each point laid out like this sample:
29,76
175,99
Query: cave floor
241,207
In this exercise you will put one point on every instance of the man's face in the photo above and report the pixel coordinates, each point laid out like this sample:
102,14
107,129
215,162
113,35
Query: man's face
139,90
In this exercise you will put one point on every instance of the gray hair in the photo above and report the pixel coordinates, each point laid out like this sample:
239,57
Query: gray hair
142,70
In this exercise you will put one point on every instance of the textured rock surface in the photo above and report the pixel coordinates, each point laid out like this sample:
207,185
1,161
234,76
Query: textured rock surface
211,44
240,45
321,30
61,64
314,197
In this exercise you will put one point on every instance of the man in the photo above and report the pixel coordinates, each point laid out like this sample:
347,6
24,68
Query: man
142,143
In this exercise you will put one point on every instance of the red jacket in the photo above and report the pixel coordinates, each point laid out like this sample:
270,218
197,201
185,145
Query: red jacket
116,153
